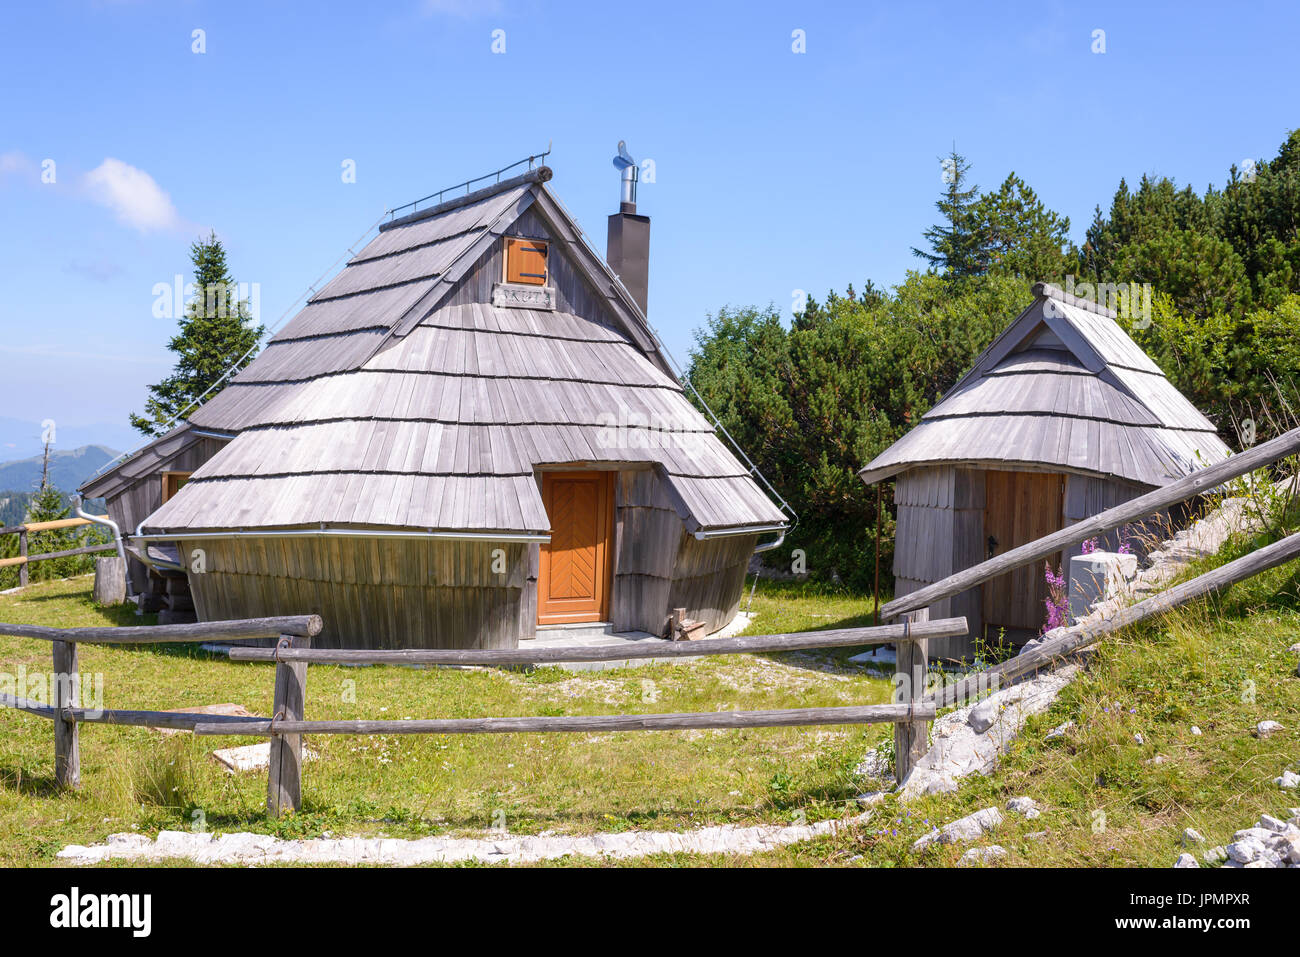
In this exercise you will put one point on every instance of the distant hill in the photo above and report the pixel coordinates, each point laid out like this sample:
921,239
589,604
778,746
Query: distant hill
20,438
68,469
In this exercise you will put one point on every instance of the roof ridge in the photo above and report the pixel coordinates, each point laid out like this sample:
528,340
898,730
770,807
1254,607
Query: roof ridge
540,175
1046,290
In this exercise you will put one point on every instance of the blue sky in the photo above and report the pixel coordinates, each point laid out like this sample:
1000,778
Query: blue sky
775,171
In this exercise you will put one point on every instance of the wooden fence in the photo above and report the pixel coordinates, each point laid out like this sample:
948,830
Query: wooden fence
909,714
23,559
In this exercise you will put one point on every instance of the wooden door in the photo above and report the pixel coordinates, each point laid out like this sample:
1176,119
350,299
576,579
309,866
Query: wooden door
573,581
1019,507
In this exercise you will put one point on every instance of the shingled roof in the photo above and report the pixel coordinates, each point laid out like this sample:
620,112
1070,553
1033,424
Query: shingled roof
1065,387
382,405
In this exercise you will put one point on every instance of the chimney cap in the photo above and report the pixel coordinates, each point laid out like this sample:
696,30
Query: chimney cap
627,166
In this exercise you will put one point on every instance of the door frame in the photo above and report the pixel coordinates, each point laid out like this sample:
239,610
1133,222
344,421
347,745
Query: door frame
604,560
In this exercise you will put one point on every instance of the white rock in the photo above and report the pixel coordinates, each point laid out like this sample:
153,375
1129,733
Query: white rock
1253,834
1137,736
1023,805
1192,836
251,757
1186,860
968,828
1059,731
1270,823
1289,848
1215,854
1265,728
127,839
982,855
871,798
1035,835
985,714
1295,649
1244,852
959,750
1196,731
1289,780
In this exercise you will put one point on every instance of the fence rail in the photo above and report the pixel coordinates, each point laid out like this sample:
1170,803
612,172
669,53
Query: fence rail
909,713
1080,637
23,559
792,641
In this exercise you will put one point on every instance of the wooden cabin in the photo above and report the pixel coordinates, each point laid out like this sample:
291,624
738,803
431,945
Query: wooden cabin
1062,417
469,433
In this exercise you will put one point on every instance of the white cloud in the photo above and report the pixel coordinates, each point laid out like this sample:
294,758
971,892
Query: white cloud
132,194
15,162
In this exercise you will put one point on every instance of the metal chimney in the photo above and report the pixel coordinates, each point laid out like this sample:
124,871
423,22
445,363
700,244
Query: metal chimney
627,247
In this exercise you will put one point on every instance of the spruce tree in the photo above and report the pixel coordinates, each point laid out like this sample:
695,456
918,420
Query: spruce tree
953,247
216,333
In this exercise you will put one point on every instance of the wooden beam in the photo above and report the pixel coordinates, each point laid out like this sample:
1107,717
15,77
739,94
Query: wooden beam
911,738
1081,636
646,648
284,778
174,720
24,559
785,718
56,524
1143,506
299,625
65,695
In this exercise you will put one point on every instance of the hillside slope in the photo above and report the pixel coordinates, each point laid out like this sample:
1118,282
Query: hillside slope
68,469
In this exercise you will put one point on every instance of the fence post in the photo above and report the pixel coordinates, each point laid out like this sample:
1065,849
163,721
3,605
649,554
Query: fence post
284,780
911,738
66,694
22,552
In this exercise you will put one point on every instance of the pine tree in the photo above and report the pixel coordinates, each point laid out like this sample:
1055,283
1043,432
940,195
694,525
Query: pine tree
1015,234
216,333
47,505
952,244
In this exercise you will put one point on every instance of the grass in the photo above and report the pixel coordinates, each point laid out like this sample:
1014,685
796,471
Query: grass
410,786
1222,666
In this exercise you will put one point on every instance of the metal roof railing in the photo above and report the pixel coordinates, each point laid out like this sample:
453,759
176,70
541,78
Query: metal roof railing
495,177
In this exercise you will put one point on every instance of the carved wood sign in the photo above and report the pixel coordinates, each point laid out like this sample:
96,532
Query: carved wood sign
518,296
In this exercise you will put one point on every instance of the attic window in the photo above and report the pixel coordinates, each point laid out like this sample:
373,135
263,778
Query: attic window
172,483
526,261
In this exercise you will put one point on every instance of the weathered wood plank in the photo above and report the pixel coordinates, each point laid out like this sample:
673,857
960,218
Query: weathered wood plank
797,641
22,559
174,720
66,695
110,581
284,778
238,630
784,718
911,738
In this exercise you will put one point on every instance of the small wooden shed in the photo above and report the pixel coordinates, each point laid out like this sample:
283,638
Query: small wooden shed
1062,417
469,432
